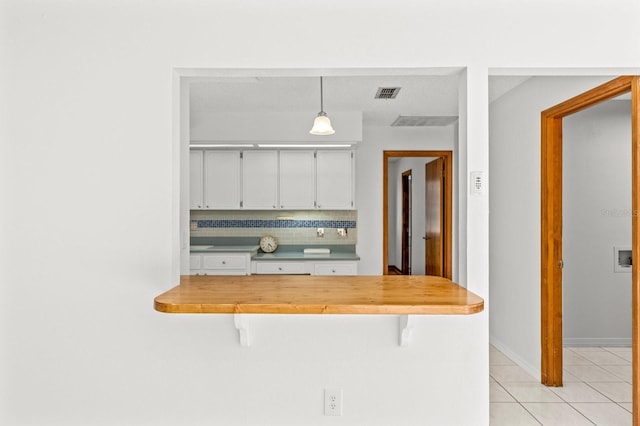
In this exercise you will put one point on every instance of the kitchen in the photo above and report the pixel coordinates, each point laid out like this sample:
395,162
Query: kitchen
251,158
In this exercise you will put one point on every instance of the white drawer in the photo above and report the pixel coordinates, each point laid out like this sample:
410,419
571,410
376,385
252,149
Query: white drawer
225,261
335,268
280,268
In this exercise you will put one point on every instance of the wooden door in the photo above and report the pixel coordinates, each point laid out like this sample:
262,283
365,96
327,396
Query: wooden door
434,220
406,223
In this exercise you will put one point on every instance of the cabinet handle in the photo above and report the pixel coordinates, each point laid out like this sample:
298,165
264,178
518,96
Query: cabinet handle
279,269
333,271
274,206
224,262
319,206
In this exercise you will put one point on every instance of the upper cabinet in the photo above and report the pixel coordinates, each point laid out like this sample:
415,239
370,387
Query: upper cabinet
221,180
272,179
297,180
260,180
196,180
334,180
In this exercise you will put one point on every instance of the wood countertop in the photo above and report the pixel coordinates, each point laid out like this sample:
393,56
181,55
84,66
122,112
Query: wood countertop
304,294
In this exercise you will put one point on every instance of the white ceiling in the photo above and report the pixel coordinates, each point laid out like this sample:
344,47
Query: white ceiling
420,95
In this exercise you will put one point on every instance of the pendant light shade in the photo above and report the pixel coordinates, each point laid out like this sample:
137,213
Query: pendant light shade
322,124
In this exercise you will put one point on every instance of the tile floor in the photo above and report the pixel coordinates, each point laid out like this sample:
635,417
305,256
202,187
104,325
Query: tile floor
596,391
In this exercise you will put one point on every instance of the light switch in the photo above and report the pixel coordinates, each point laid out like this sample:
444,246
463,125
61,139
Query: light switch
477,184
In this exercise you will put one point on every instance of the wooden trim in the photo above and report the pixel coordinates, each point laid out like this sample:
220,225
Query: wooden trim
635,238
393,270
448,161
551,226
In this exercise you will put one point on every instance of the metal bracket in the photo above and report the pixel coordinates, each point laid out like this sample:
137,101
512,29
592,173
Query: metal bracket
243,333
406,328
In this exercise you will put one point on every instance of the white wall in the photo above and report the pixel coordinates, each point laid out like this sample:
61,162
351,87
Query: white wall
515,212
597,216
88,175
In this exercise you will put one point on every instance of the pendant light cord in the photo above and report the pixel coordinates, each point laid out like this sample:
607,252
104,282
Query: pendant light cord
321,98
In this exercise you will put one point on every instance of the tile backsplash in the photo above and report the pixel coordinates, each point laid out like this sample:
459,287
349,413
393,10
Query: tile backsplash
288,226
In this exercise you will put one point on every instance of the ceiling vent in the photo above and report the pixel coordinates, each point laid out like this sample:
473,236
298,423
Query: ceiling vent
423,120
387,92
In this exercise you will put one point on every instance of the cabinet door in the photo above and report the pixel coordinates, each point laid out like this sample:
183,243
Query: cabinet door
195,264
334,180
297,180
196,168
260,180
222,179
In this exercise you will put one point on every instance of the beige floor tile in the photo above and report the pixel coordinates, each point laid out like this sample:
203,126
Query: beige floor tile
510,373
591,373
531,392
578,392
604,358
568,377
617,391
498,358
627,406
608,414
556,414
510,414
570,357
621,371
498,394
624,353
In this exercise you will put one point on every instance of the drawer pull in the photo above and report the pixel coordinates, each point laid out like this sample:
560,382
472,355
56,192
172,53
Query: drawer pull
224,262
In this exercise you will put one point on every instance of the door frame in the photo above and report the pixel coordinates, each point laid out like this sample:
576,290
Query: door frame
447,214
551,226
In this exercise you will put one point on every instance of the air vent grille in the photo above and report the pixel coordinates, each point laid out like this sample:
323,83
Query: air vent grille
387,92
423,120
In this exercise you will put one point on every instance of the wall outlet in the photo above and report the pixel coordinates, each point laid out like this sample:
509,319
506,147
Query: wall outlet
320,233
342,232
333,402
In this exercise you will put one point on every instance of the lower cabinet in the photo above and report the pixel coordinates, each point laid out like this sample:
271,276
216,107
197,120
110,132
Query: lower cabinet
335,268
305,267
220,263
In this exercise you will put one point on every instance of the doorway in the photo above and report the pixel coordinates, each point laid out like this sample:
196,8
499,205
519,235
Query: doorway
442,238
551,226
407,208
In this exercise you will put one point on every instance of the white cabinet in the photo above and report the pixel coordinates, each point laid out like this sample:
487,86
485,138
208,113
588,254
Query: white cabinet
297,180
260,180
334,180
335,268
221,179
308,267
220,264
271,179
196,180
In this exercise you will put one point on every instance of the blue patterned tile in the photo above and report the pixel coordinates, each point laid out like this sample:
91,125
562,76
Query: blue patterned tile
271,223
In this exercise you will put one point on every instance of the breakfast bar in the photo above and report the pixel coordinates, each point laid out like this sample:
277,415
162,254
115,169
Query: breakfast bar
303,294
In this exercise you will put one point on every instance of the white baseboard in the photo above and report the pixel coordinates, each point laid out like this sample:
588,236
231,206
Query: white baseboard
576,342
529,368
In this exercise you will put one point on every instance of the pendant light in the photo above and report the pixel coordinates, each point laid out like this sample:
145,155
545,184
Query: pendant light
322,124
